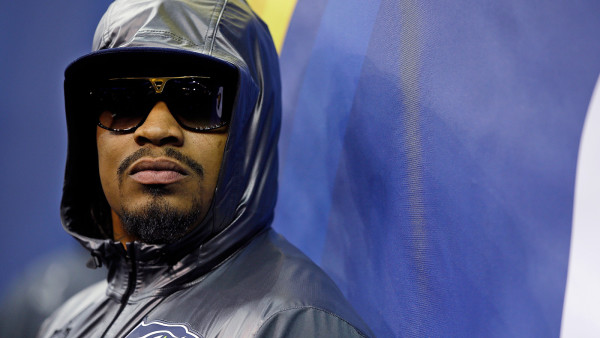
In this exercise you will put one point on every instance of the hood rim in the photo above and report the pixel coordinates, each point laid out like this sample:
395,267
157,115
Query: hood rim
80,67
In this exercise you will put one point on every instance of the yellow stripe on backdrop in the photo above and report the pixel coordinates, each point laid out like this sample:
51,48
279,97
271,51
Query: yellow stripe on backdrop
277,15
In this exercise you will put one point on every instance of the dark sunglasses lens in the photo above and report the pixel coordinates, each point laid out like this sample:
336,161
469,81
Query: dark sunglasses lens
197,104
121,105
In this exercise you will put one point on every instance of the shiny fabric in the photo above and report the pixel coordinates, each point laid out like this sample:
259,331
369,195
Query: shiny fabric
232,275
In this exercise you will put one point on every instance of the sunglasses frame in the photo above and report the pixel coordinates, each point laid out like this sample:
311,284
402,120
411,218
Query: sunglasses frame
158,84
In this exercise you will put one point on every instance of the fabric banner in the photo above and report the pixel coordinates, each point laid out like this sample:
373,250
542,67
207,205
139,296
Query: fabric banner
429,154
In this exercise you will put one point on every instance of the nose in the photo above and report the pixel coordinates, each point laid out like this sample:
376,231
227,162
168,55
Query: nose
160,128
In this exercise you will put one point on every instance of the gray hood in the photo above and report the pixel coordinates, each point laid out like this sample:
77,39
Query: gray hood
222,37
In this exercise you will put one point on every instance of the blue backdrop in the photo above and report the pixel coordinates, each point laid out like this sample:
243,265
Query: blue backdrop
38,39
428,151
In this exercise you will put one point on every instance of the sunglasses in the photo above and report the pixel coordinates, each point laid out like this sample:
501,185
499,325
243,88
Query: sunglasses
196,102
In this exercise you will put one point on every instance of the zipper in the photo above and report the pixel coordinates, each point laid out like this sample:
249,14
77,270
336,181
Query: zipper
130,257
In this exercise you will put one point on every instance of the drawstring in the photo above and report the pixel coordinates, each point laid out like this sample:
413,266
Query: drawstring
94,262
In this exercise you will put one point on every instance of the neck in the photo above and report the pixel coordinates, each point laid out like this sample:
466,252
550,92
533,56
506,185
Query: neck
119,234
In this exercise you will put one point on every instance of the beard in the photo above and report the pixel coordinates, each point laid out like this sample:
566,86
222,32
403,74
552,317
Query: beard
158,222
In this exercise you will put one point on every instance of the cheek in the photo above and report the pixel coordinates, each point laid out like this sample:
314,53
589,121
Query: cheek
104,166
216,154
218,148
107,166
209,148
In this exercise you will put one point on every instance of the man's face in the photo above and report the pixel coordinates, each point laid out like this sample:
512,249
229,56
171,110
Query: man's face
159,180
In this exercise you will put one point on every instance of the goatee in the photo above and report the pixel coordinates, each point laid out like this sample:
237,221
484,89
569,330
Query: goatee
160,223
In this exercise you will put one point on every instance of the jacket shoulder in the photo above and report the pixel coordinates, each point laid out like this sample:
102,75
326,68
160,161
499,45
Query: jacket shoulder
307,322
75,305
269,288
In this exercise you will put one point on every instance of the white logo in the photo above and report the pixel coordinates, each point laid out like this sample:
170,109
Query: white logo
158,329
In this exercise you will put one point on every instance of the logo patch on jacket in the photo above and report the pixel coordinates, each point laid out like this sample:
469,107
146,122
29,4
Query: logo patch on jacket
158,329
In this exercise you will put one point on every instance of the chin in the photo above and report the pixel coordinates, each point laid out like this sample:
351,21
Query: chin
160,222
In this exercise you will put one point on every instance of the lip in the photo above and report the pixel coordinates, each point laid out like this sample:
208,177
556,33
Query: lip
157,171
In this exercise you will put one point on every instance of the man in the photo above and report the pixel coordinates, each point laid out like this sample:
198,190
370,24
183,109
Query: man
170,182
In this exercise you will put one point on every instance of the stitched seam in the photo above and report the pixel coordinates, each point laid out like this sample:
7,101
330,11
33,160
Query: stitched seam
216,28
208,29
106,33
313,308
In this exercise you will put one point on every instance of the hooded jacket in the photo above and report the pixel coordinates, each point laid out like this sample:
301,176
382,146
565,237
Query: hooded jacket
232,276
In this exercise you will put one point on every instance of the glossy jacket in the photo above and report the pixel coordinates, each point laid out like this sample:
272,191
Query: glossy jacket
232,275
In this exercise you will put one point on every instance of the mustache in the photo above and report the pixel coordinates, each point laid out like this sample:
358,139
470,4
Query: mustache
168,152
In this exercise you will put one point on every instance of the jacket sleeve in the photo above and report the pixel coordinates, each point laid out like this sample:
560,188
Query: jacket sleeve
307,322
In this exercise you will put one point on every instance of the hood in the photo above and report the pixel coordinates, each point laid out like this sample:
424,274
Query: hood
171,37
